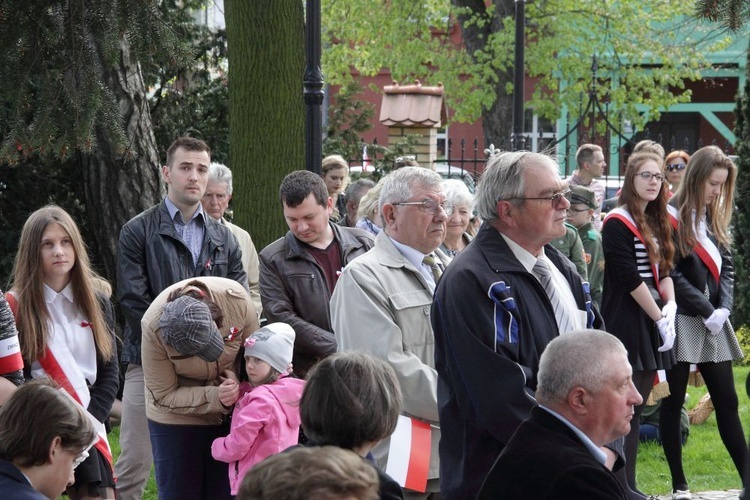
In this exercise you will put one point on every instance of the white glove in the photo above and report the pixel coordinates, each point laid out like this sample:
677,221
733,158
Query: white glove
669,311
666,330
715,322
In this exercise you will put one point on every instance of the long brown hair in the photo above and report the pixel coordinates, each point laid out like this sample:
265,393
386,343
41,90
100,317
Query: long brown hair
690,198
653,222
32,315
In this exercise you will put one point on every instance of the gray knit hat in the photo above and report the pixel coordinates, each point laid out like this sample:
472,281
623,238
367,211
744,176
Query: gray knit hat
274,344
187,326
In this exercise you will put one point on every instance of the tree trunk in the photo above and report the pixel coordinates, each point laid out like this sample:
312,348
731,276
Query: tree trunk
120,184
267,113
497,121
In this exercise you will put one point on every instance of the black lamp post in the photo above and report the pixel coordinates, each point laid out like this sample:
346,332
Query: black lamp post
313,90
518,140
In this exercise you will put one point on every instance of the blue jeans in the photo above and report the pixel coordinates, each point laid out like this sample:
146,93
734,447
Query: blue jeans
185,469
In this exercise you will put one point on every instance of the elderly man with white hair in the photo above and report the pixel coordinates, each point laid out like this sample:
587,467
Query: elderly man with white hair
215,202
586,399
499,304
381,304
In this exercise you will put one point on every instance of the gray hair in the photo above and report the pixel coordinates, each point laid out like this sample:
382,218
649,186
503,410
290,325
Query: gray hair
220,174
356,189
457,192
503,179
397,185
576,359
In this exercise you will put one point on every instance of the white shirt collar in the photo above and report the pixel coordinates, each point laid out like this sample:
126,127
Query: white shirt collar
524,256
599,455
50,295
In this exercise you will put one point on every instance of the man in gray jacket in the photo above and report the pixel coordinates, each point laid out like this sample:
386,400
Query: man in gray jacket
167,243
299,270
381,304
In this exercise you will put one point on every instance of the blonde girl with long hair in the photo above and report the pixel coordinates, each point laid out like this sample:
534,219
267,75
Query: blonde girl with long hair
704,286
66,330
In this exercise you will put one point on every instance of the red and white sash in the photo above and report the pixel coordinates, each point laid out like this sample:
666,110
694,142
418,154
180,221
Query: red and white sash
699,249
624,216
58,363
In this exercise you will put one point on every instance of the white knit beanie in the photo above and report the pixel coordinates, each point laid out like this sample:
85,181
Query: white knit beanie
274,344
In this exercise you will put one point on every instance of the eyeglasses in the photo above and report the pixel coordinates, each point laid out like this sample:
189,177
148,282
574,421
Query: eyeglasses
556,199
676,166
80,458
647,176
429,206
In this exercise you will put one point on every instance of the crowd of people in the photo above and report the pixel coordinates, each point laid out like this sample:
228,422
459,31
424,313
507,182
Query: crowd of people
384,347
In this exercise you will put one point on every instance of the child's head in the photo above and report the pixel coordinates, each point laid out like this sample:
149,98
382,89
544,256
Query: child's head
268,353
350,400
582,205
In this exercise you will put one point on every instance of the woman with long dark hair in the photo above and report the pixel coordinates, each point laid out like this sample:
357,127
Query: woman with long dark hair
638,295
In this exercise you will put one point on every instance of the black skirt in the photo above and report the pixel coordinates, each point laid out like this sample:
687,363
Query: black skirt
94,474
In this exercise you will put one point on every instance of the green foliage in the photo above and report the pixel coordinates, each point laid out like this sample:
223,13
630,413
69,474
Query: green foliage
730,13
191,95
54,94
741,218
348,119
743,337
627,36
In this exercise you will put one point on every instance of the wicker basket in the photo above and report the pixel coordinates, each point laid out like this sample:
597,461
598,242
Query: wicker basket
701,411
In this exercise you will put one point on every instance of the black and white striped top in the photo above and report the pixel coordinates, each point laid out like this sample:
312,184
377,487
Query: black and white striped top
641,259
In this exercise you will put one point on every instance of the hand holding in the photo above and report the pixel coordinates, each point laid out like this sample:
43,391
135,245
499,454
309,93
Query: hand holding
229,375
229,392
666,330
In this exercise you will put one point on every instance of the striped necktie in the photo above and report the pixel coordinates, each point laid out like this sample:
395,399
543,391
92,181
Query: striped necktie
562,316
431,261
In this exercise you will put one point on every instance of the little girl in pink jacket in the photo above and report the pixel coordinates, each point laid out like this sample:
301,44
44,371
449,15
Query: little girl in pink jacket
266,416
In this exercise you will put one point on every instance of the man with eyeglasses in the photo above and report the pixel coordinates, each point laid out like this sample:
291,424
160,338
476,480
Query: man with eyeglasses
499,304
591,165
299,271
381,304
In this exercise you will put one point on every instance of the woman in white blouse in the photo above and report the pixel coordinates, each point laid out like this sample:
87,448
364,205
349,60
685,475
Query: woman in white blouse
66,331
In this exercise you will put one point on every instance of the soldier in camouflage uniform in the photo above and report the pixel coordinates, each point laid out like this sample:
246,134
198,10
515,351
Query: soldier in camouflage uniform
580,214
570,245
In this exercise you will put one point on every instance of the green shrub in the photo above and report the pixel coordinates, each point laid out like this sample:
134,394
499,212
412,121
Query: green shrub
743,337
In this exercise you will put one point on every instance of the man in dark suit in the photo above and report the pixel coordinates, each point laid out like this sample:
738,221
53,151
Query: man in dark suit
585,399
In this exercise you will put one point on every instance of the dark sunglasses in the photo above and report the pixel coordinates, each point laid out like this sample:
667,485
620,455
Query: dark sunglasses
676,166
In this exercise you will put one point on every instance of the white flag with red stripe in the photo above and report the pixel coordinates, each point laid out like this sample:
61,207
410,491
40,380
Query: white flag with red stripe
409,453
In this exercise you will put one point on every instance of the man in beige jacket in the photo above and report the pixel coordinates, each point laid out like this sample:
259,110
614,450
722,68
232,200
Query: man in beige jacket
381,304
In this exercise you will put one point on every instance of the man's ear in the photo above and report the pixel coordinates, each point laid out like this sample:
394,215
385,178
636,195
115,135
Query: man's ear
388,214
165,173
506,211
578,400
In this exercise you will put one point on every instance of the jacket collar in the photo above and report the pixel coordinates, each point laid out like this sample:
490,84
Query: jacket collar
346,238
499,256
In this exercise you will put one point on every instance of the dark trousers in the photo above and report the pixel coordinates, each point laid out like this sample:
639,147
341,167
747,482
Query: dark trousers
185,469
